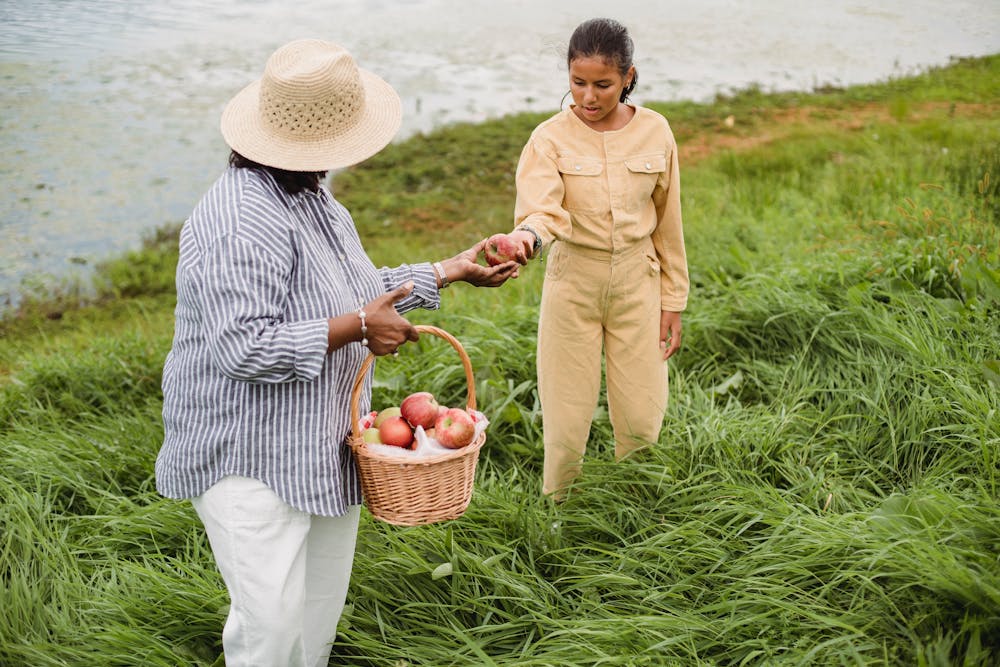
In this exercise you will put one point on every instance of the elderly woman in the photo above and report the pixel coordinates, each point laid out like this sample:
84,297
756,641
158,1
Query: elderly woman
277,307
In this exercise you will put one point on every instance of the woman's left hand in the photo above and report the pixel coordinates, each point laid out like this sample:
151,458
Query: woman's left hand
670,333
463,267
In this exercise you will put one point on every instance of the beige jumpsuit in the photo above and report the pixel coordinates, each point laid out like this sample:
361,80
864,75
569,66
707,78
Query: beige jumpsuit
607,206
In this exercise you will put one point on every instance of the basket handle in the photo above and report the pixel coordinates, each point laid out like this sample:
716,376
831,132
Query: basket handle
359,379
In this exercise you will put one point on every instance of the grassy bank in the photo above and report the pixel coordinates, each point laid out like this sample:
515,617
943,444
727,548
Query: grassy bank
825,489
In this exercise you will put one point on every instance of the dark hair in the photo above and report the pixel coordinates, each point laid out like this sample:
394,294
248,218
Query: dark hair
608,39
292,182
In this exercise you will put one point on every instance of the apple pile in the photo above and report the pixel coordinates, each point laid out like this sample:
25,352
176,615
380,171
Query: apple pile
452,427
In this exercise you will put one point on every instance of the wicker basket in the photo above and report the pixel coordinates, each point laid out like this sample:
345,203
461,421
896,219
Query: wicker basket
424,490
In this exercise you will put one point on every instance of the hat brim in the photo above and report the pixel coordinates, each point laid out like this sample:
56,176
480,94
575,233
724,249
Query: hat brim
245,132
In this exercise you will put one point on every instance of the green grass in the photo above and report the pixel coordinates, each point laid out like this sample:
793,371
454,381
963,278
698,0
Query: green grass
824,491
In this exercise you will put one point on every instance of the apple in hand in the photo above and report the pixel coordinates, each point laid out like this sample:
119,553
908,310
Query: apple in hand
420,409
500,248
393,411
454,428
396,432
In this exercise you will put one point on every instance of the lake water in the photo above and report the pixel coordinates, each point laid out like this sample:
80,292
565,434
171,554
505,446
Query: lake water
111,107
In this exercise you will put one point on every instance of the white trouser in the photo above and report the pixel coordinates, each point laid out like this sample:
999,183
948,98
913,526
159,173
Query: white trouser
286,571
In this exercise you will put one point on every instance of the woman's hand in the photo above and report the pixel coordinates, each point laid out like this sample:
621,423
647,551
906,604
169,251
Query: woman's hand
670,333
463,267
387,329
525,242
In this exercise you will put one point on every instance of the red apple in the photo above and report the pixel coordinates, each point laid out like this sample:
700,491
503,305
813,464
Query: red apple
455,428
393,411
420,409
500,248
396,432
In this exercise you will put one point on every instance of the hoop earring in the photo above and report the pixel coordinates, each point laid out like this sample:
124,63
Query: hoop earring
626,91
563,100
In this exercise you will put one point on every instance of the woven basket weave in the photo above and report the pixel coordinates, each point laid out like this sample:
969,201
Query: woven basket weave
427,489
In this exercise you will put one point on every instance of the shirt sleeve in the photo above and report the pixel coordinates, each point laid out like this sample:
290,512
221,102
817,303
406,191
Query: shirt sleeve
245,289
540,191
425,292
668,235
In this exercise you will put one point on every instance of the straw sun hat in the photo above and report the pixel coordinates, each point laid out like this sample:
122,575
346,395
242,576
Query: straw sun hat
313,109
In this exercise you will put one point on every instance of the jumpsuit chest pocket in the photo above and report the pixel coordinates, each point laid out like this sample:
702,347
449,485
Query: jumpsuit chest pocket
643,172
583,187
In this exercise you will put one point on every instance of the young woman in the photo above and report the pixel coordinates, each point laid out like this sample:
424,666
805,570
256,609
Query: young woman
277,307
599,185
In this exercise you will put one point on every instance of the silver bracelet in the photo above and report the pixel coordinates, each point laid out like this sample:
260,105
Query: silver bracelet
439,269
537,245
364,327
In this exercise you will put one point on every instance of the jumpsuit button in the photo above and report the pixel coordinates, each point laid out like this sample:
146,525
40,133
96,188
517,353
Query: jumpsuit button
648,165
578,167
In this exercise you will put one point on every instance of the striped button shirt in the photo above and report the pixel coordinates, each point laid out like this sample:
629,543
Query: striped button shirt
248,386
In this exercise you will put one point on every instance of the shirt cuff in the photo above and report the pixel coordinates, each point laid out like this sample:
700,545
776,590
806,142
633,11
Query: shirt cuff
534,223
425,292
311,340
673,304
